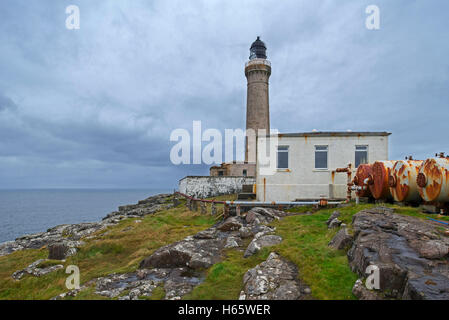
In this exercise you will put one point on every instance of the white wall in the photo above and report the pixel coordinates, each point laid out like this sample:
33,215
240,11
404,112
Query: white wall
302,180
211,186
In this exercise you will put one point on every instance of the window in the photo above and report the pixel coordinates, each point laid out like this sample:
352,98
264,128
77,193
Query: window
283,157
321,157
245,173
361,155
220,173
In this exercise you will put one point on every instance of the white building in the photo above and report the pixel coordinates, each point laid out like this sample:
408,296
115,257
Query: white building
305,163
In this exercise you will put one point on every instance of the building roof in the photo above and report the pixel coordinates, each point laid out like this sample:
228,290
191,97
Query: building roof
333,134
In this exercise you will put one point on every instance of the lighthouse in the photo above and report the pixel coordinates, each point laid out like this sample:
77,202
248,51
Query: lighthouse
257,72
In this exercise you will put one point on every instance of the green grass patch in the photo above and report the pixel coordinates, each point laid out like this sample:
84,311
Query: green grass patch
118,249
224,280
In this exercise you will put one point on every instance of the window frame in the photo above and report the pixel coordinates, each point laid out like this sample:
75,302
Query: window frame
355,154
322,151
287,151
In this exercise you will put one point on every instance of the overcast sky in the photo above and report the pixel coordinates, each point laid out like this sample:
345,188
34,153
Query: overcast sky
95,107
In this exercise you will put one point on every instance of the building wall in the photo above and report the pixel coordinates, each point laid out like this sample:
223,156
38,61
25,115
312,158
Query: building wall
234,169
302,181
205,187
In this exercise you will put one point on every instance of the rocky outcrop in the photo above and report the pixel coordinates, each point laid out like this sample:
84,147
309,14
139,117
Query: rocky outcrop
363,293
191,252
230,224
411,254
176,282
261,215
145,207
35,270
333,216
199,251
341,240
261,242
70,234
180,266
335,223
64,249
273,279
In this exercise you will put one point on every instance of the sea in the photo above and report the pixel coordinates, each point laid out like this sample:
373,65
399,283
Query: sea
31,211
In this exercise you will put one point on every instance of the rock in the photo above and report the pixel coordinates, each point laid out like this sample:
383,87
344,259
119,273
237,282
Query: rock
273,279
335,223
175,290
333,216
410,253
75,232
62,250
144,207
133,286
255,230
232,242
210,233
433,249
35,271
190,252
260,215
116,284
363,293
341,240
261,242
230,224
245,232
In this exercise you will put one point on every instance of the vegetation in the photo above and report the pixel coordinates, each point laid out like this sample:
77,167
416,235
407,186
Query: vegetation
119,249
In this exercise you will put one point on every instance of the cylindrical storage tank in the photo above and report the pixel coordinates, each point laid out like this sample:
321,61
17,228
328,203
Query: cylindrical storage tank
433,180
402,180
379,182
363,172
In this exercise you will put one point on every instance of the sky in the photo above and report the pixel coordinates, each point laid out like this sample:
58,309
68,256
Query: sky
94,107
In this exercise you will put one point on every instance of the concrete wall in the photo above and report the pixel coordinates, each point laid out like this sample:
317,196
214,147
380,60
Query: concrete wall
204,187
234,169
301,180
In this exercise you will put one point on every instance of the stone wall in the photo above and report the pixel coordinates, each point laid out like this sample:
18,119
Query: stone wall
204,186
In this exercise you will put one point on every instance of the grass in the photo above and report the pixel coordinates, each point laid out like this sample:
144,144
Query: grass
120,248
305,243
224,279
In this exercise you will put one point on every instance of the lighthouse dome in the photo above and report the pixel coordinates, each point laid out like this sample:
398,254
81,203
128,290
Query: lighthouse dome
258,50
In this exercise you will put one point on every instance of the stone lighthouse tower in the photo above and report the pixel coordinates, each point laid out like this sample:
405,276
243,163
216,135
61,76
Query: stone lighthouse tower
257,72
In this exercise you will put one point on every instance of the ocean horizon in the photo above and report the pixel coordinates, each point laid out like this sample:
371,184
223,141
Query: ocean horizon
28,211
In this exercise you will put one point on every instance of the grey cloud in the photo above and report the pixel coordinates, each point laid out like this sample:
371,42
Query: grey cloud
6,103
95,107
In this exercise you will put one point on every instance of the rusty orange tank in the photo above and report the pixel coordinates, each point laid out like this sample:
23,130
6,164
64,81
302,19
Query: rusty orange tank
378,182
402,180
363,172
433,180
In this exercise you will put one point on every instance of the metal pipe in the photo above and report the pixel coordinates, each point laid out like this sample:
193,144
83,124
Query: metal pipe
304,203
442,222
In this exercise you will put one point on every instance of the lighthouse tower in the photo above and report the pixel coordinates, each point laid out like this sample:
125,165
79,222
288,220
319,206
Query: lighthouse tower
257,72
